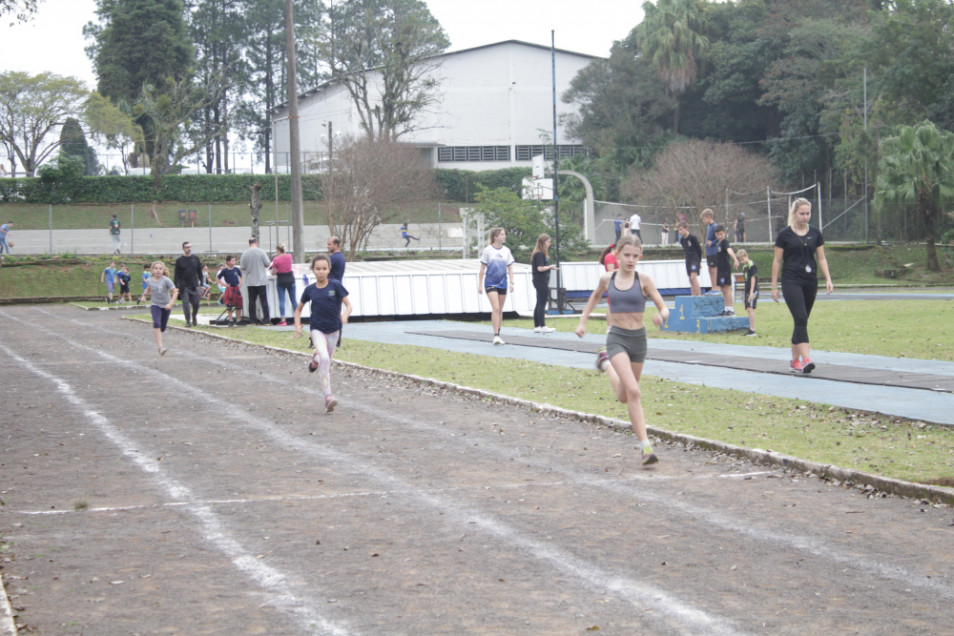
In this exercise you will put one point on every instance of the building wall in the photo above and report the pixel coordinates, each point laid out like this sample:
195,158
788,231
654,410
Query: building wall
500,95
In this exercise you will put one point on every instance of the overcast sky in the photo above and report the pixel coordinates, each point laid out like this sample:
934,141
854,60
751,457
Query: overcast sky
53,40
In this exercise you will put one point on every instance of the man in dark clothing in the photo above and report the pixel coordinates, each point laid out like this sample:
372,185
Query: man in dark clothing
187,279
337,259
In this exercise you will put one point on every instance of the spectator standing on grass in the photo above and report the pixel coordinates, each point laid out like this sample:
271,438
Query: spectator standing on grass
326,296
693,255
146,273
635,222
230,279
281,265
254,265
622,358
751,272
724,269
114,234
800,254
124,278
188,280
664,233
541,268
407,237
163,293
109,277
206,284
740,228
708,222
4,235
496,277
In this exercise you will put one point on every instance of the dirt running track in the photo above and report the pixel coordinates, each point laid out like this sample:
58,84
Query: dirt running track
220,500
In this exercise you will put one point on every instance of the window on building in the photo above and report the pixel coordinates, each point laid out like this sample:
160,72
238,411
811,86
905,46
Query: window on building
528,152
473,153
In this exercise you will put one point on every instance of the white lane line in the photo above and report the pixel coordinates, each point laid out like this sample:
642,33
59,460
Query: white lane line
213,530
681,617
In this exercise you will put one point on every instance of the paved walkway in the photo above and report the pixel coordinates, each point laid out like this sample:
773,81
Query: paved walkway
915,389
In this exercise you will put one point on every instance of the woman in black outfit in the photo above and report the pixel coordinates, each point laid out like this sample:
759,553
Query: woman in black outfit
541,267
797,247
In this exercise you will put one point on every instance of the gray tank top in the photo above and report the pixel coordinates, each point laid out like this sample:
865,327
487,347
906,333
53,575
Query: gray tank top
629,301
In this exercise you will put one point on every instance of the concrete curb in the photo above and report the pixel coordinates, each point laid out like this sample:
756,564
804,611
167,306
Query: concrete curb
7,625
848,476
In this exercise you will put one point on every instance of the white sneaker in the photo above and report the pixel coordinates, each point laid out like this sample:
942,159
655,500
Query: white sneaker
538,329
547,329
498,340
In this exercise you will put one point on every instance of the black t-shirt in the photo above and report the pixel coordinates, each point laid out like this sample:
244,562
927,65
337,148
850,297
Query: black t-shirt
540,278
751,272
722,255
798,253
690,245
188,271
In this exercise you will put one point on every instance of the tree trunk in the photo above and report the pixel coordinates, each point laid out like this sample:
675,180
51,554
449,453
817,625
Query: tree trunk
255,206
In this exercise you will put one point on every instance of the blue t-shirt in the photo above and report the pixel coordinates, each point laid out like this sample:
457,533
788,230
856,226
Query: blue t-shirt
337,267
145,277
496,262
230,276
325,305
110,274
711,244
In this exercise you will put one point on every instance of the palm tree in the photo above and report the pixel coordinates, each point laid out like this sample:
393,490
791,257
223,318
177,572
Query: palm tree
917,168
670,40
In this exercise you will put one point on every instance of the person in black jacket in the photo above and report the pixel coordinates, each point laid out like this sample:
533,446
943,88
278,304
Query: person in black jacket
188,280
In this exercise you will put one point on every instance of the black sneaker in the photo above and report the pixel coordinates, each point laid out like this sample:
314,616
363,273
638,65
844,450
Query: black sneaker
751,333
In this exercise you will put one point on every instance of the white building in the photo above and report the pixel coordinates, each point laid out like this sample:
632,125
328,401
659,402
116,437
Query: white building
494,104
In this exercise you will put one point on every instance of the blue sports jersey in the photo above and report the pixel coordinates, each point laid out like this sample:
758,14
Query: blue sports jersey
325,305
497,261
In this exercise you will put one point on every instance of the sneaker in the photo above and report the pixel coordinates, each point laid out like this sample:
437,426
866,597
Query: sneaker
162,351
330,403
750,333
313,365
807,365
538,329
728,312
498,340
282,324
547,329
188,325
601,358
795,366
648,456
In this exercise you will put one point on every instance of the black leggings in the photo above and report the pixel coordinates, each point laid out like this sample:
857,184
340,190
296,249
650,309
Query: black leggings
800,297
543,295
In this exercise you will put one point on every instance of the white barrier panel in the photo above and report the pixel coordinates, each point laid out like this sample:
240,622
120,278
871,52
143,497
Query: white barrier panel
668,275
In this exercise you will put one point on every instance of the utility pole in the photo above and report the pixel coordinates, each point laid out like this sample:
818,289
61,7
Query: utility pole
294,142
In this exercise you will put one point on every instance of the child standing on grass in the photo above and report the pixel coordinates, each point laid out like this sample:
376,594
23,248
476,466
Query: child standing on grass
326,296
723,269
124,277
708,222
625,351
109,277
693,252
751,272
159,286
230,277
145,278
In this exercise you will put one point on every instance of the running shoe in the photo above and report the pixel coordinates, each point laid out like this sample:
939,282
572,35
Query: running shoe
282,324
313,364
807,365
750,332
795,366
601,358
330,403
547,329
649,457
162,351
498,340
538,329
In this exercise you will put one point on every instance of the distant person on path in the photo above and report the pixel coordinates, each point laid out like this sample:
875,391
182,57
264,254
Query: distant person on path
724,269
693,254
541,268
254,265
618,226
124,278
230,277
635,222
608,258
326,296
114,226
740,228
407,237
188,280
708,222
285,279
158,287
337,258
664,234
4,235
751,272
626,344
496,277
799,254
109,276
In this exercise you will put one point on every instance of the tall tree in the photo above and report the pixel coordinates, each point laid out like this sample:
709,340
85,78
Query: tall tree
917,169
73,144
114,126
671,39
31,107
384,53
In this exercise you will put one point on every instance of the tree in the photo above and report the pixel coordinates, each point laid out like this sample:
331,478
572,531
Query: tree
113,125
22,10
917,168
385,52
670,38
73,144
371,178
698,173
31,107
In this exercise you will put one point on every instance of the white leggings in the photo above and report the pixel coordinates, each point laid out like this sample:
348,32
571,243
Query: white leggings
324,344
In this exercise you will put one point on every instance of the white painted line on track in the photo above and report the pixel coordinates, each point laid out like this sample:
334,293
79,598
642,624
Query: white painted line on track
213,530
681,617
